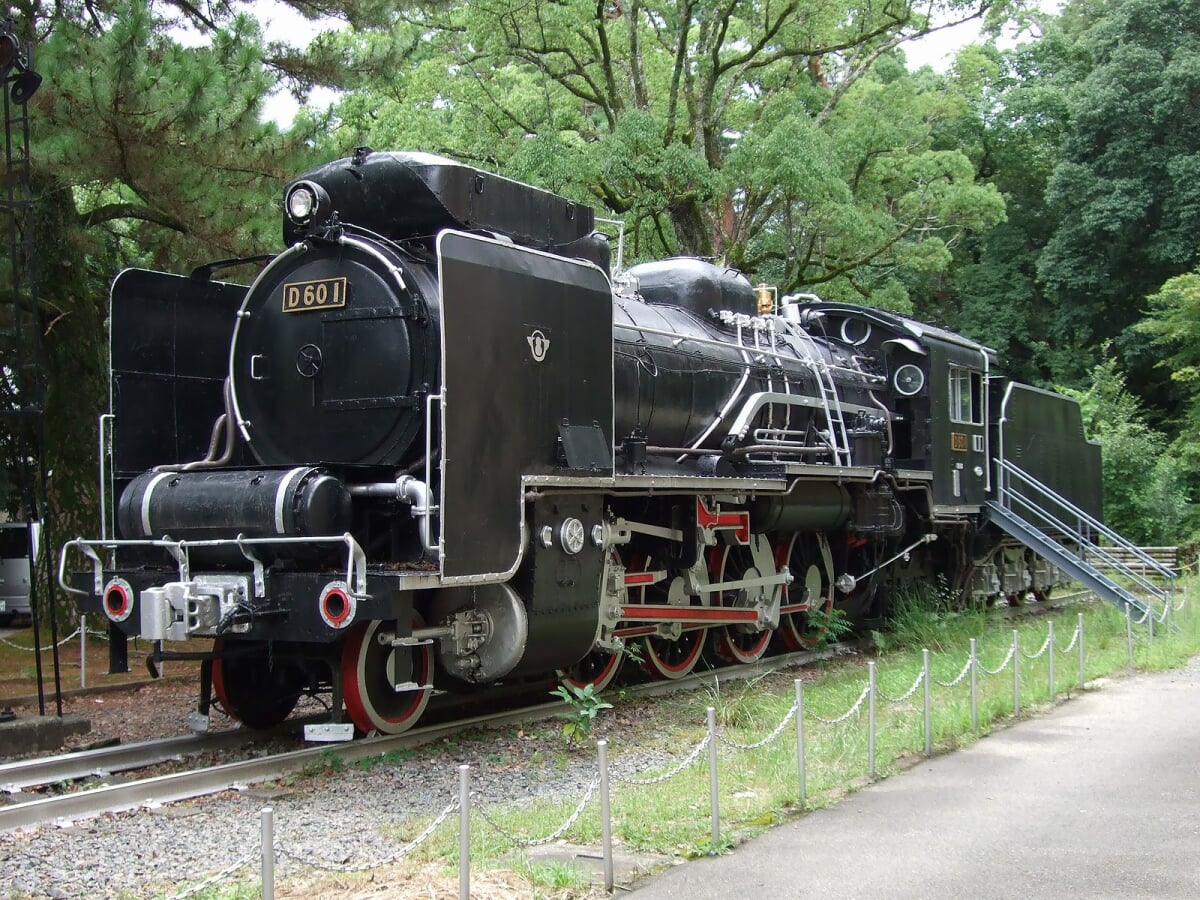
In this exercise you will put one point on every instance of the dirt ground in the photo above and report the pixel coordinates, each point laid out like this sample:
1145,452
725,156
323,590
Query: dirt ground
19,662
124,705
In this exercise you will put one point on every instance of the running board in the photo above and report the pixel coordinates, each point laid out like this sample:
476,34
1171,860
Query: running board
1075,566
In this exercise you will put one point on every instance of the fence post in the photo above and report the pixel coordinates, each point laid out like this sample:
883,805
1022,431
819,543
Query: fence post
1150,619
464,832
1050,647
974,689
1081,671
83,651
713,785
1129,632
871,718
928,720
1016,645
605,817
800,741
267,822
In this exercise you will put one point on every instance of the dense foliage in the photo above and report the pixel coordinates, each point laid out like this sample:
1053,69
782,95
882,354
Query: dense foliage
1043,198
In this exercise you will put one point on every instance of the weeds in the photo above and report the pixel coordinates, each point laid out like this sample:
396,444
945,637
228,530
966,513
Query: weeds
828,626
929,618
632,651
739,704
327,762
555,876
584,706
388,758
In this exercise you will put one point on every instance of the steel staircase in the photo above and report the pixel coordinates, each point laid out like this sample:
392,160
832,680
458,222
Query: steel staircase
1079,544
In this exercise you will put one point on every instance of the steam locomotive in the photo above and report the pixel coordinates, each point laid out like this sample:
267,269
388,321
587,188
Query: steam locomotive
442,442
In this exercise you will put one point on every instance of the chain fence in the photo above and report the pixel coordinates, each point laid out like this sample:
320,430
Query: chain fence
838,720
217,878
347,868
70,637
1004,665
672,772
920,680
966,669
1075,636
733,745
554,835
796,714
1041,651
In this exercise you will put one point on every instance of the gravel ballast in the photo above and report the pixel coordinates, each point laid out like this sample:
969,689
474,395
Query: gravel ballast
348,815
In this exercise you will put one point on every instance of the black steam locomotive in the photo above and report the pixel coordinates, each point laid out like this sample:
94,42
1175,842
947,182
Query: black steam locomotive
439,441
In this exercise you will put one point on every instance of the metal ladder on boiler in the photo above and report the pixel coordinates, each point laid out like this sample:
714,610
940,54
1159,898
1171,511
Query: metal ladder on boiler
1078,543
839,442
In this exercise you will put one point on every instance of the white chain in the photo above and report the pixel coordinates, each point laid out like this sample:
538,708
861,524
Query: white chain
538,842
961,675
103,635
1182,601
1045,644
1166,612
1145,615
69,637
851,711
658,779
791,714
213,879
912,690
1001,667
364,867
1074,638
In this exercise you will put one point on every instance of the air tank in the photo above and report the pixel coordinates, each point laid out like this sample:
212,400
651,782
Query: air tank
193,506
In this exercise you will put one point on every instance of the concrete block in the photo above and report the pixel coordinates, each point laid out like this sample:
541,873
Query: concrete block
37,734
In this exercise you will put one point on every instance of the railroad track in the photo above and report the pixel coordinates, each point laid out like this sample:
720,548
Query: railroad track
23,811
19,776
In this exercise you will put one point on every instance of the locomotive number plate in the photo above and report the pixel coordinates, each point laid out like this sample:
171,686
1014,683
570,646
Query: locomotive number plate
958,442
324,293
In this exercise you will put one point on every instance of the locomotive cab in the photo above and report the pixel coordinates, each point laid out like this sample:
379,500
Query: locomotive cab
937,392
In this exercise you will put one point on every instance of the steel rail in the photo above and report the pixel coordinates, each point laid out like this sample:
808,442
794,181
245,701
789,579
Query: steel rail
178,786
79,764
28,773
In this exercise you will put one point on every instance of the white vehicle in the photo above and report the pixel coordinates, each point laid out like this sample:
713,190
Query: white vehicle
15,568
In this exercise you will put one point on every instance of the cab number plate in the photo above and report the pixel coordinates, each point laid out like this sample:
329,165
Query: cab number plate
324,293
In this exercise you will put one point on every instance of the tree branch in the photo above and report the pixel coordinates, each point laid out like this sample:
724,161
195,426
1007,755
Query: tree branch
112,211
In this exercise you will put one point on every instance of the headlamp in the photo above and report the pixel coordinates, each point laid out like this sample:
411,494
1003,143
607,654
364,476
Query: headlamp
301,203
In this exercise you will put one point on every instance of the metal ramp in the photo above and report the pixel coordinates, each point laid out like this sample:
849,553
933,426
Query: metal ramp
1078,543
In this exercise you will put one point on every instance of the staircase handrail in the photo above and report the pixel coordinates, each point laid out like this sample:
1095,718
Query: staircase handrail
1096,580
1091,521
1097,552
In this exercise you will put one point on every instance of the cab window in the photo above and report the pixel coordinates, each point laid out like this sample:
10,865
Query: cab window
966,396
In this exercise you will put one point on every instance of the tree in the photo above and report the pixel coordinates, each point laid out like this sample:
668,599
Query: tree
1172,325
1125,194
1015,121
145,152
776,137
1145,489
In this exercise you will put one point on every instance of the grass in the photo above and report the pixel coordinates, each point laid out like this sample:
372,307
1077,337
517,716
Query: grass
759,787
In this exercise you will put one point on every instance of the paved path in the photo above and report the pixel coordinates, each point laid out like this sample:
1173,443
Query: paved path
1098,798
